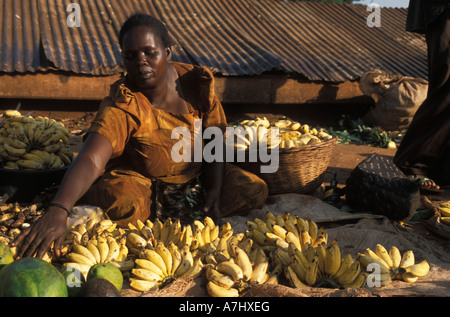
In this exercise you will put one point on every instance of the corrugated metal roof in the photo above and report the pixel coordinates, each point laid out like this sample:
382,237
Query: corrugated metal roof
322,42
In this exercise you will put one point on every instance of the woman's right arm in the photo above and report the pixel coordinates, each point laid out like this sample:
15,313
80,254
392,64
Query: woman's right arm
52,226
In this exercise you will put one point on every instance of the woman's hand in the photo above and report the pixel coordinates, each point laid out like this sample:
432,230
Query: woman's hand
37,239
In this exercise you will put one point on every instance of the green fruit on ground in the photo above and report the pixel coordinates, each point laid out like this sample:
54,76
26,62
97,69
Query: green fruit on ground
108,272
6,255
31,277
74,280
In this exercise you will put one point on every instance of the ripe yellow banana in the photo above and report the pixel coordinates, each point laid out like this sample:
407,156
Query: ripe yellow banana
408,259
113,249
359,281
195,270
366,260
79,258
231,269
146,275
142,285
396,256
419,269
332,259
13,150
260,267
218,291
103,248
94,251
345,265
409,278
157,259
176,256
292,278
243,261
350,274
29,164
311,273
187,261
444,211
144,263
80,249
218,278
373,255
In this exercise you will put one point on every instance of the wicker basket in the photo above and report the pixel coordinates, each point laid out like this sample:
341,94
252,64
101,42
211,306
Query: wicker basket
300,170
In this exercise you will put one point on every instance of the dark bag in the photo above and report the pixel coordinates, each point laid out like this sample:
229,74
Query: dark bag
378,186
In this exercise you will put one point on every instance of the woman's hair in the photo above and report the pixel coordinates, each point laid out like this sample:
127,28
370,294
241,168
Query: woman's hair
142,19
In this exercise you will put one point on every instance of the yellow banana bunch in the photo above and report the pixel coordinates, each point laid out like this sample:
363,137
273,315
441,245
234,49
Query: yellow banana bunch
158,266
393,264
444,211
99,249
280,230
323,266
33,143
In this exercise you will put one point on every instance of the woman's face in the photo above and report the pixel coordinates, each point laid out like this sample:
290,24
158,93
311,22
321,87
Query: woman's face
144,57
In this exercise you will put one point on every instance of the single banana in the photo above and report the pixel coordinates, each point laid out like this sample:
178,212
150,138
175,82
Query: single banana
419,269
408,259
150,266
231,269
103,248
15,142
384,255
113,249
146,275
13,150
80,259
29,164
311,273
260,267
244,263
176,256
195,270
156,258
187,261
142,285
166,256
80,249
396,256
373,255
359,281
345,265
332,260
366,260
94,250
123,266
218,291
218,278
350,274
292,278
409,278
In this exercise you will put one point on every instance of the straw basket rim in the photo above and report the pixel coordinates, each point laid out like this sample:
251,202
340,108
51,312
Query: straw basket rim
300,170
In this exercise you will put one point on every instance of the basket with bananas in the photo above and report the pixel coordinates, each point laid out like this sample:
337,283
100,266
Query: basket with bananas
291,134
34,154
28,143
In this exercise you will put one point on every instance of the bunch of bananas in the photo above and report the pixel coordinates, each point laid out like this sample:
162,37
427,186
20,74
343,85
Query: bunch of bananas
444,211
236,266
92,242
292,134
158,266
277,231
323,266
28,143
392,265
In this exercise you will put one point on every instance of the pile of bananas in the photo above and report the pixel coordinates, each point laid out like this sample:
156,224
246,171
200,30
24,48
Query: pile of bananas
323,266
444,211
275,232
14,218
93,242
392,265
292,134
28,143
